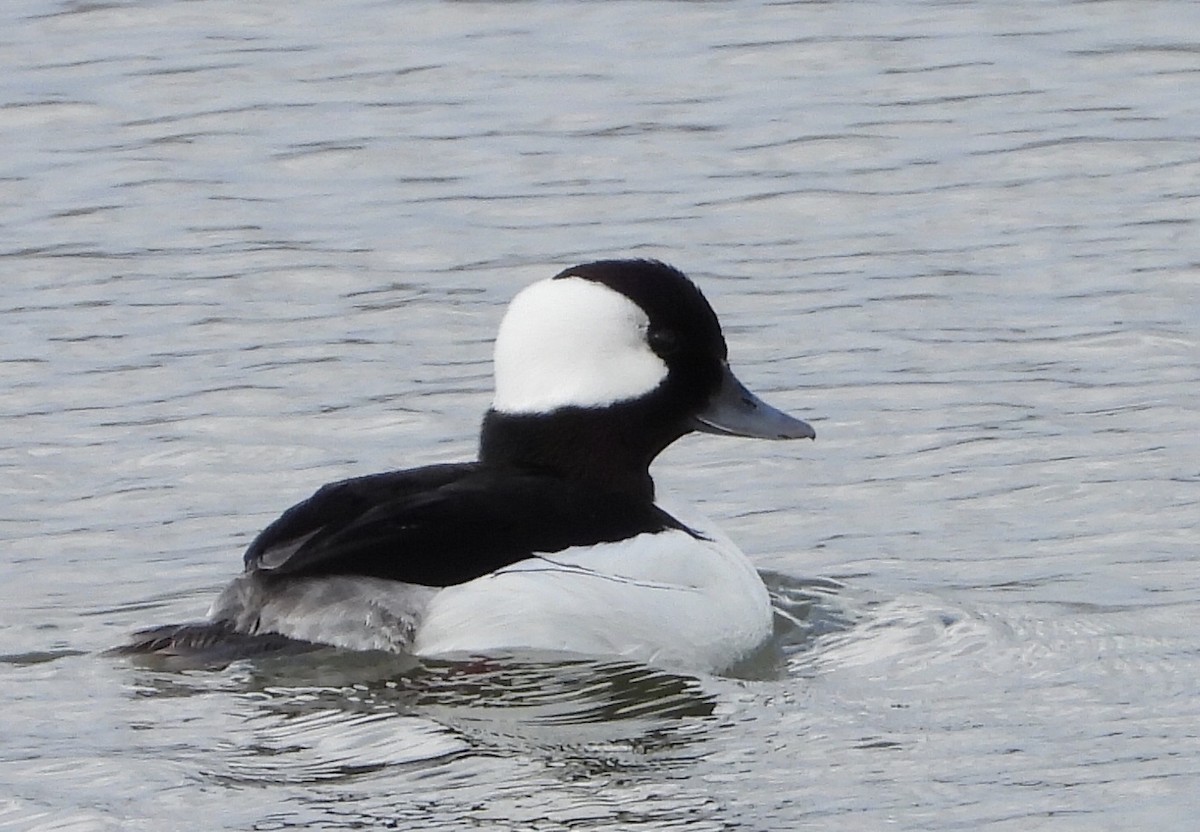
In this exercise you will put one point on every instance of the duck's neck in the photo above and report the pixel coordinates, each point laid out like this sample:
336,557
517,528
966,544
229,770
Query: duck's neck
605,449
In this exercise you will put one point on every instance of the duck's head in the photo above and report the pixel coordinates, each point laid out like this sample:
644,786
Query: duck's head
619,358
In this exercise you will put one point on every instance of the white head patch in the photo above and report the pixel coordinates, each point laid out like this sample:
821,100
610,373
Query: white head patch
572,341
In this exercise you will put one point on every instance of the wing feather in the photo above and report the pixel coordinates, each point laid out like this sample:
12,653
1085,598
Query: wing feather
444,525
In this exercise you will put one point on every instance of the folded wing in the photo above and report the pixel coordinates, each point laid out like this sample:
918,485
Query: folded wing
444,525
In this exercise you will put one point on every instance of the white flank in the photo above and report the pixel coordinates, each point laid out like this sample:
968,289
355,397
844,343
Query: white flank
665,599
572,342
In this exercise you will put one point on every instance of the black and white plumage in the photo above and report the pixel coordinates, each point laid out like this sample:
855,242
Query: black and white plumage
553,539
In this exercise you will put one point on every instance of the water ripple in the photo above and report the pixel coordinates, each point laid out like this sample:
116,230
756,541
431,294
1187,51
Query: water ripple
247,251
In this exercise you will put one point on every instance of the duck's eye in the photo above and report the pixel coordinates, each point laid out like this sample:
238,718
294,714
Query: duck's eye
664,342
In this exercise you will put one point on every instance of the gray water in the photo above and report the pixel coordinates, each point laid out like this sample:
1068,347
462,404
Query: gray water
248,248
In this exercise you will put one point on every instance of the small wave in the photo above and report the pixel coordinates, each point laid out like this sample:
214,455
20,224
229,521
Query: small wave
334,714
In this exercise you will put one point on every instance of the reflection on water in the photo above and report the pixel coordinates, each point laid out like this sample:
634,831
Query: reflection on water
332,714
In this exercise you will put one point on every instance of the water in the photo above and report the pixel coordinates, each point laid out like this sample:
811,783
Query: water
250,248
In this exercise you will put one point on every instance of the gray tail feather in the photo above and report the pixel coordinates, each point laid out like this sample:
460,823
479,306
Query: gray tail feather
206,643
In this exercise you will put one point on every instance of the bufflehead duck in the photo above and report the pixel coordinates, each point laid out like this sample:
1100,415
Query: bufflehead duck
553,539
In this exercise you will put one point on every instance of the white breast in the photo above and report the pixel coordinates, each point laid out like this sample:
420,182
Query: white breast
665,598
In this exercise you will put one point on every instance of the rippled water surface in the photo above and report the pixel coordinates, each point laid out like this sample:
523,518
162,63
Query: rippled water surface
248,248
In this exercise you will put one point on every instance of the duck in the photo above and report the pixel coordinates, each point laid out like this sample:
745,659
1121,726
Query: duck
553,540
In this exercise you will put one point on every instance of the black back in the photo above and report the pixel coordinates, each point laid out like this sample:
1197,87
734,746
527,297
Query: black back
444,524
